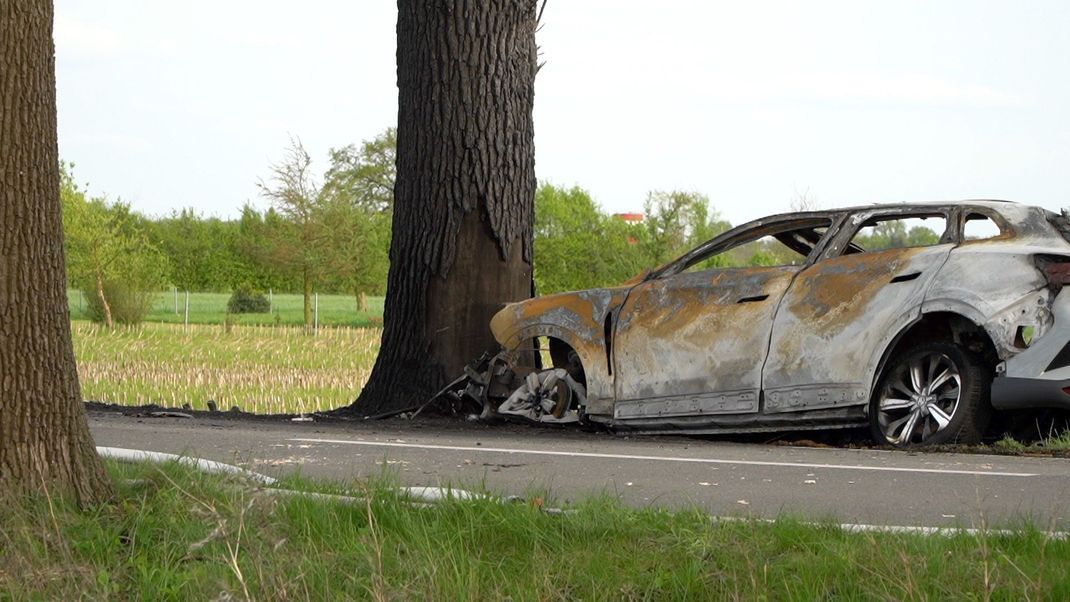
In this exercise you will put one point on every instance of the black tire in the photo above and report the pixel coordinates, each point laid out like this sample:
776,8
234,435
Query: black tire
905,390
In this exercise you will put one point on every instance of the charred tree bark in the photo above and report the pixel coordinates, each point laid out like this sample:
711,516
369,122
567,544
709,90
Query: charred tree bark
465,191
44,438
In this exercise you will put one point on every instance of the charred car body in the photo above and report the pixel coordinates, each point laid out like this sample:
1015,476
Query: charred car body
918,338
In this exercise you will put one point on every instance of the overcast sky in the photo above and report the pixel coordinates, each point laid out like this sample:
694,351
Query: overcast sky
184,104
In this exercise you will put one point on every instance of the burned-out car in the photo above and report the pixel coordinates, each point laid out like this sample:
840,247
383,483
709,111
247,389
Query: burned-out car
915,320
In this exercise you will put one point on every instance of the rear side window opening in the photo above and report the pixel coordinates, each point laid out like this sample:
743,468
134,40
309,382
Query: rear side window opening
978,226
881,233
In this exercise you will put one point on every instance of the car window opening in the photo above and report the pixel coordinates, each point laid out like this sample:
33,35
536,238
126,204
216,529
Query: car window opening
787,247
882,233
979,226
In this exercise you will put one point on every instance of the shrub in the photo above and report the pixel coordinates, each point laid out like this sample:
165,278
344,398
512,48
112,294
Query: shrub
128,305
245,300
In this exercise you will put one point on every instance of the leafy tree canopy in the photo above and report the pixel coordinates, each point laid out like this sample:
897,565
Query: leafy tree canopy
108,250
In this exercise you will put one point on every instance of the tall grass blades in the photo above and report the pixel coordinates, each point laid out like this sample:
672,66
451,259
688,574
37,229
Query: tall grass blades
174,533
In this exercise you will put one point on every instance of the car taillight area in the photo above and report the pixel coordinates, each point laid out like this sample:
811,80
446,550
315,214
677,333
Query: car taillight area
1056,270
1030,318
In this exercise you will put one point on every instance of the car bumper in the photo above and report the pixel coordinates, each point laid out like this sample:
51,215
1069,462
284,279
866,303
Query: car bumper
1010,393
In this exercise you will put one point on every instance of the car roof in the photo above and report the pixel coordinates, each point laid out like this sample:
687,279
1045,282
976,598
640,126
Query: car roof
1009,210
995,204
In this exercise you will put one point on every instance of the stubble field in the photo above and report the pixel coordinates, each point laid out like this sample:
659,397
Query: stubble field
262,369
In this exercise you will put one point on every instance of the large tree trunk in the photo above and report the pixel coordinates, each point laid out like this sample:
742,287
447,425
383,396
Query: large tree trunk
465,191
44,439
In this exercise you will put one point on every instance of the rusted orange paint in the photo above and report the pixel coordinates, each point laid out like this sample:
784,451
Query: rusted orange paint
566,301
829,295
669,320
690,334
578,318
1007,234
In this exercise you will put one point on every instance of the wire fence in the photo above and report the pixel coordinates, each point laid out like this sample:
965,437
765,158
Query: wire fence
188,307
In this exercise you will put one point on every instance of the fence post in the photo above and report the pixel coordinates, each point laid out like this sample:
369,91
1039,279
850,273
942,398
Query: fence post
175,288
186,321
271,301
316,313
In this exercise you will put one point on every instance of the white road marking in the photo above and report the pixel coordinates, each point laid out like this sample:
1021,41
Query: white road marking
913,530
575,454
947,531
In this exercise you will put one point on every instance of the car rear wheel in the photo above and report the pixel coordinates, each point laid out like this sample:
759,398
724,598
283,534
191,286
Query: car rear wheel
932,393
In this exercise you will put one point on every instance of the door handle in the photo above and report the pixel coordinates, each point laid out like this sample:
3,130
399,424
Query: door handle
905,277
753,299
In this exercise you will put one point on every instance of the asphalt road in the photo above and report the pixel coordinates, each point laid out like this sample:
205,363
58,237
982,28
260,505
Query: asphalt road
874,487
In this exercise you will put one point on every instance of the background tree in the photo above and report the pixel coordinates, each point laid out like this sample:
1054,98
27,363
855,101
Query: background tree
356,257
364,176
109,255
578,246
358,194
804,200
464,197
300,239
255,246
675,222
344,246
203,252
893,234
45,443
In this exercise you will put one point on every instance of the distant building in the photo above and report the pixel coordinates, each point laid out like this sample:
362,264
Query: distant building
631,218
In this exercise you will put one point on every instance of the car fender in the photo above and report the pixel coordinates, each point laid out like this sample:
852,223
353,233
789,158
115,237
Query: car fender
883,349
581,319
931,306
967,310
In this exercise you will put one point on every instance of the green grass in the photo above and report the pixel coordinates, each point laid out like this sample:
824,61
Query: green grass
263,369
211,308
1054,442
1059,442
1009,444
171,533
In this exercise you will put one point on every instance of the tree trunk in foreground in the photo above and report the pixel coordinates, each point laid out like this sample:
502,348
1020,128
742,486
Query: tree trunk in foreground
464,195
44,439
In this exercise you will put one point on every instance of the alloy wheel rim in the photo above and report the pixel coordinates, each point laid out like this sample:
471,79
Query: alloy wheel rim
919,399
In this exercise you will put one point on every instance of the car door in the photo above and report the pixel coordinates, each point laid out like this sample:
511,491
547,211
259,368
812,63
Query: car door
841,312
693,342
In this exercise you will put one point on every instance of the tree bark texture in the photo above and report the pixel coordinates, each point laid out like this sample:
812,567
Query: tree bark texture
465,191
45,443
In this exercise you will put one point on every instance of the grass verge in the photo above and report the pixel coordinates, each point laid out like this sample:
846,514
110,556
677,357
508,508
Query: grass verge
172,533
1057,443
261,369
